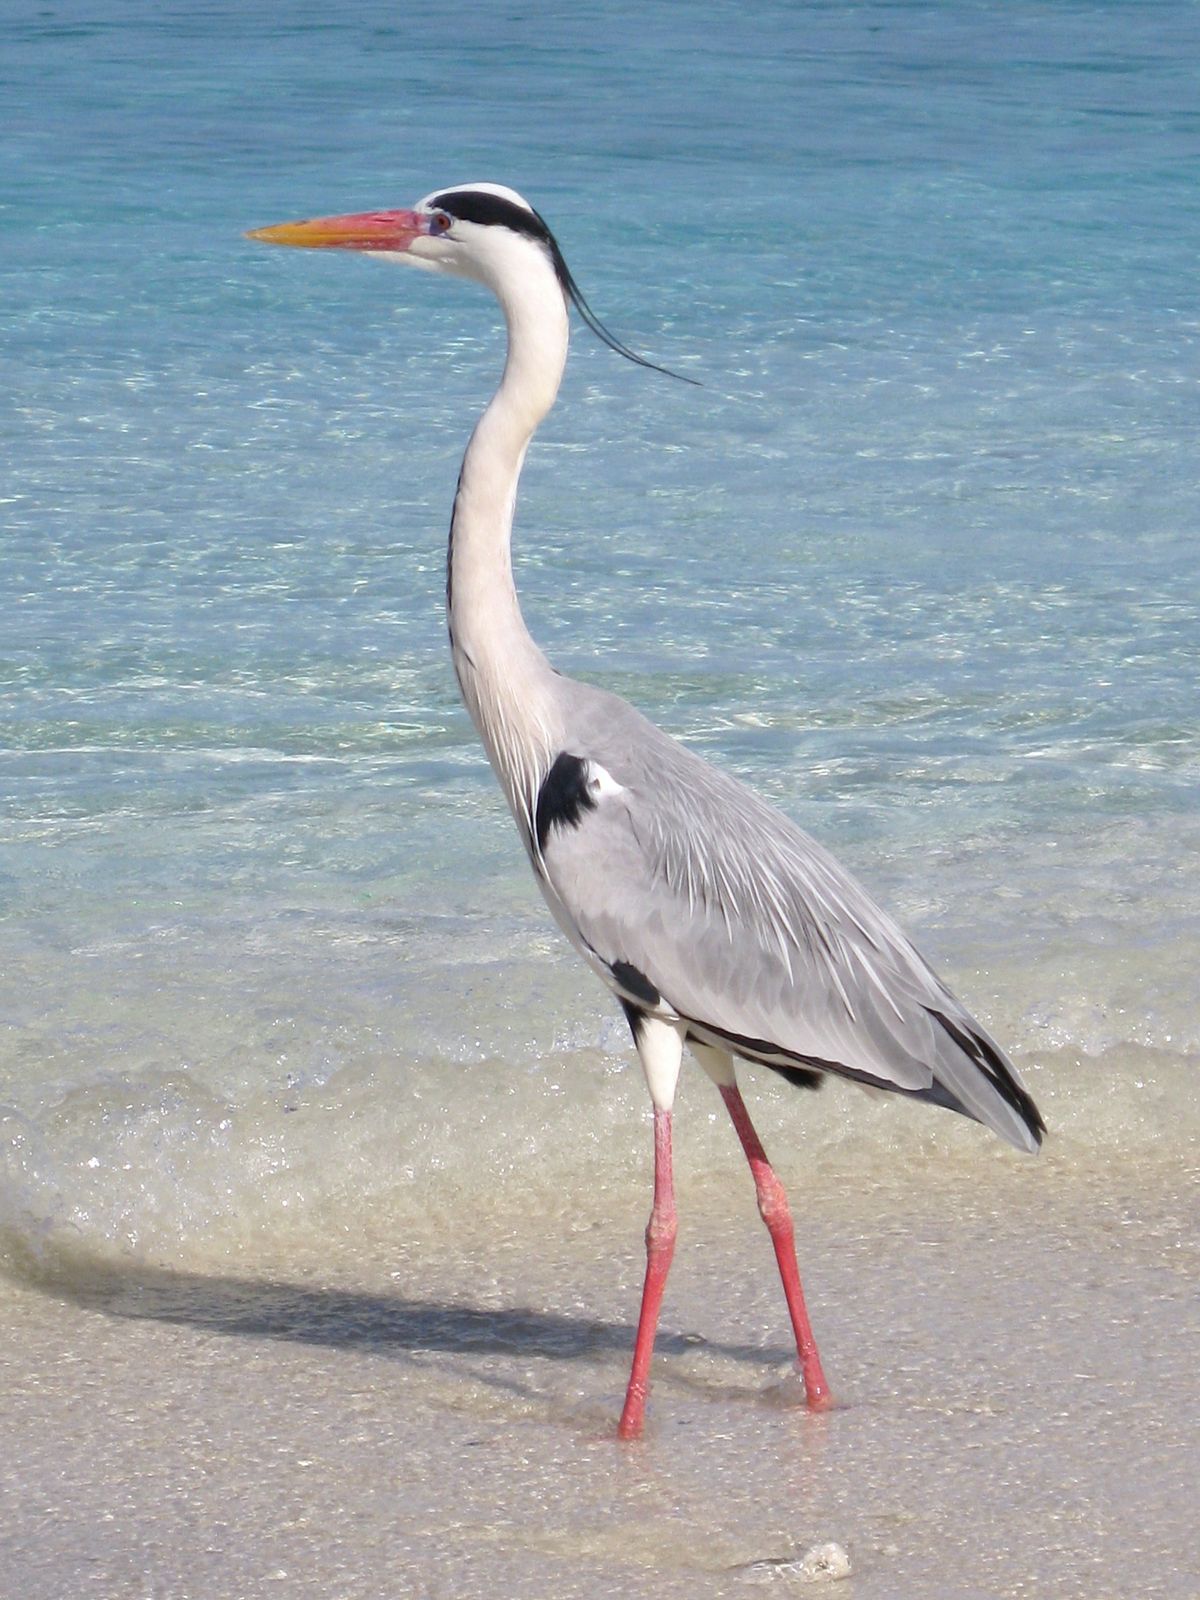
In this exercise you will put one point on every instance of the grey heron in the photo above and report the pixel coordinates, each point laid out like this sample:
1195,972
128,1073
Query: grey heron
716,922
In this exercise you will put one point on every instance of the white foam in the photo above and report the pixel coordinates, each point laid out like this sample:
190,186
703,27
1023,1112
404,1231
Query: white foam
161,1165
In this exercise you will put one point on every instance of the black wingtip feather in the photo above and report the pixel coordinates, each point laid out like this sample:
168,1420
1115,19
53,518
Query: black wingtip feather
998,1072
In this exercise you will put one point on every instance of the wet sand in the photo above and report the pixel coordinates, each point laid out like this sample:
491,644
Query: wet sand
1016,1361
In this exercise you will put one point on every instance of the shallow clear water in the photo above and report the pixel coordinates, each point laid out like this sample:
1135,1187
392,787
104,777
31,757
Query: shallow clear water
918,560
323,1163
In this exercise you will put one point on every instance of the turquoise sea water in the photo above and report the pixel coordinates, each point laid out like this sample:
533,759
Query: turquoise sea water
919,559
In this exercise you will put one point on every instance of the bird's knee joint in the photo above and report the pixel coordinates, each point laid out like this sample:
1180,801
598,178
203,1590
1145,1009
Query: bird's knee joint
660,1233
773,1207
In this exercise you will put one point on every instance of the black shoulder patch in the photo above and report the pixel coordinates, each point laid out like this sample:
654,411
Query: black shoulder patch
563,797
798,1077
634,982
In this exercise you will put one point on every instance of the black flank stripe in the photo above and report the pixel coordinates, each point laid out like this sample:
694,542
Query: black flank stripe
798,1077
635,1018
804,1074
762,1049
634,982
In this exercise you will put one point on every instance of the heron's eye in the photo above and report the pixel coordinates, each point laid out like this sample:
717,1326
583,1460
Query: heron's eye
439,222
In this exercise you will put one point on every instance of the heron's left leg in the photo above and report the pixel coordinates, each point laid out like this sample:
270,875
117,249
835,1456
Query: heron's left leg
660,1046
775,1212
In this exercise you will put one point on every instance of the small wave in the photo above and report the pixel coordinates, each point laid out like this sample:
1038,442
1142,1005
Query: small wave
161,1168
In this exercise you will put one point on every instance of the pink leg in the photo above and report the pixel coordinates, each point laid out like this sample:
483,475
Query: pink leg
660,1247
773,1208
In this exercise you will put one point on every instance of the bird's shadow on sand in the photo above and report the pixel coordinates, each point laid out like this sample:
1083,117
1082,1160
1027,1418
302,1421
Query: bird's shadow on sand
382,1322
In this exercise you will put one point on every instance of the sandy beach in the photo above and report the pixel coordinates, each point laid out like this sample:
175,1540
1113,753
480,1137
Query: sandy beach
1015,1361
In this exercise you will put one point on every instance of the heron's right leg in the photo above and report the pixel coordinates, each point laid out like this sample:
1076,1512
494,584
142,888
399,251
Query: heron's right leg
660,1046
775,1212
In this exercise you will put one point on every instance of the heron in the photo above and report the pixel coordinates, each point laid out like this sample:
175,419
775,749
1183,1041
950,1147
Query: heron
719,925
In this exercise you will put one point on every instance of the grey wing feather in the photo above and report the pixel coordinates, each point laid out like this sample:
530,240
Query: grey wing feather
750,931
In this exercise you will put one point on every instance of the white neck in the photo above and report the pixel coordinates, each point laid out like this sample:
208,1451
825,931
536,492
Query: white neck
506,682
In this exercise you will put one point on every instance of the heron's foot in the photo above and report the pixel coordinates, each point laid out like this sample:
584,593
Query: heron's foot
796,1389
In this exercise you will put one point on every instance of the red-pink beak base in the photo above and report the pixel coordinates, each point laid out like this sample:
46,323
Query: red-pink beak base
365,230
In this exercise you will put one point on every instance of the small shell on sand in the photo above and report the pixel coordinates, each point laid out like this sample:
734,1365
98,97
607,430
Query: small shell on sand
823,1563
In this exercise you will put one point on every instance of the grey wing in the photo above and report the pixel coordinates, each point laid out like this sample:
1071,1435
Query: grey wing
695,898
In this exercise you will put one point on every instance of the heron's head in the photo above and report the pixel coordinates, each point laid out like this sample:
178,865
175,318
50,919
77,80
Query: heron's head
467,231
475,230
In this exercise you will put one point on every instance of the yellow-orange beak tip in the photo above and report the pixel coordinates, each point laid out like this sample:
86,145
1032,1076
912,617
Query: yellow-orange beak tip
392,231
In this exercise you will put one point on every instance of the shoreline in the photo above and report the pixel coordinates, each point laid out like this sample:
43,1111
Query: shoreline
1014,1370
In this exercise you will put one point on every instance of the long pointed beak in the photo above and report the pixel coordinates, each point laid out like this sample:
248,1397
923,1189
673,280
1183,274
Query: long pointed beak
366,230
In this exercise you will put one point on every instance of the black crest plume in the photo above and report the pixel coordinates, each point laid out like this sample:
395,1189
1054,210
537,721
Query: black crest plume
493,210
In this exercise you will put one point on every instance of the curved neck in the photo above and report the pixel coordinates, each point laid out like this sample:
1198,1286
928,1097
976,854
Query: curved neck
505,680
